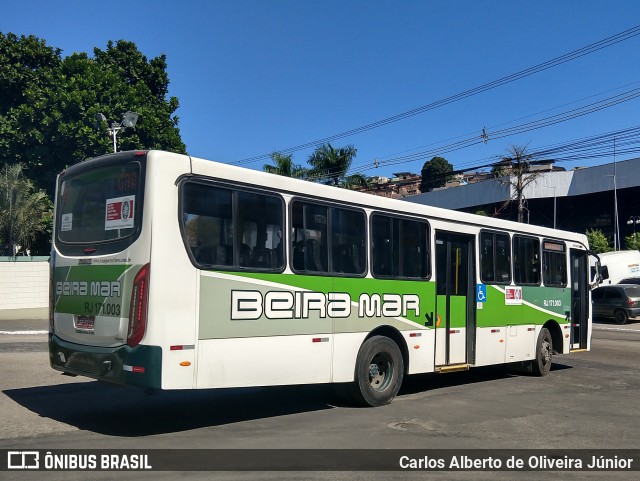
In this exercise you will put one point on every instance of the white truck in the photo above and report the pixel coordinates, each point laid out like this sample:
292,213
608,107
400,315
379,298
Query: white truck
617,265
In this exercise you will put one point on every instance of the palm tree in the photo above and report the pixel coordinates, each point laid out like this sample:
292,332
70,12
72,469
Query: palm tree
329,164
283,165
24,212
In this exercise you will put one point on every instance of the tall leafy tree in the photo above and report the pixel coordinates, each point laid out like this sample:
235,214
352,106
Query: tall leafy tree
48,104
283,165
632,241
435,173
25,212
598,242
330,164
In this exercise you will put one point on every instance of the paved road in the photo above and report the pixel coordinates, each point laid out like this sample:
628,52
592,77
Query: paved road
590,400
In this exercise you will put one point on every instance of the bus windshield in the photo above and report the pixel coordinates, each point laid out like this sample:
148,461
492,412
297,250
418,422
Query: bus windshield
99,205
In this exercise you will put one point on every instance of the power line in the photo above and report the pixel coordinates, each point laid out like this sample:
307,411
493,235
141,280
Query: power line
518,129
485,136
581,52
587,148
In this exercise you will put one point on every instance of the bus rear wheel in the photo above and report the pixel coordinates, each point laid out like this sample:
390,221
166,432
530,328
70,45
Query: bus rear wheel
541,365
379,372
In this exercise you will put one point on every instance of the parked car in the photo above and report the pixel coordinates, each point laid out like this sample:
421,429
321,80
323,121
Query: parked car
618,301
630,280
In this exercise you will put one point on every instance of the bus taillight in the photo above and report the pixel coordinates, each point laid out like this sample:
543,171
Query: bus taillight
138,307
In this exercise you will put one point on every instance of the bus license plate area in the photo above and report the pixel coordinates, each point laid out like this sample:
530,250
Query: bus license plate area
85,322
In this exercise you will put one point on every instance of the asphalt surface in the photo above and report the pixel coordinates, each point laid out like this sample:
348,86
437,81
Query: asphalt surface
589,401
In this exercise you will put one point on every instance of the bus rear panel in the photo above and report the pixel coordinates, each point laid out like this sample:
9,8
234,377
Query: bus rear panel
101,272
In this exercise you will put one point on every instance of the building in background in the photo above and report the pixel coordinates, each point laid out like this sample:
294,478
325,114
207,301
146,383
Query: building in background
575,200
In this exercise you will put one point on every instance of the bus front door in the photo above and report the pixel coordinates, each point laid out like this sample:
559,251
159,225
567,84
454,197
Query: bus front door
455,321
579,299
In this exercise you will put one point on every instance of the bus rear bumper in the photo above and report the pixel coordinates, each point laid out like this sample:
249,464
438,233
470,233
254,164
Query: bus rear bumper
137,366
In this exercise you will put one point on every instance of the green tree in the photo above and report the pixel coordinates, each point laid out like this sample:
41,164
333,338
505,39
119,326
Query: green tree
502,168
356,181
283,165
48,104
598,242
632,241
435,173
329,164
25,213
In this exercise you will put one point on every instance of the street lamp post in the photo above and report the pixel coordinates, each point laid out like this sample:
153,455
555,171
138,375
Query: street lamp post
554,206
129,119
616,227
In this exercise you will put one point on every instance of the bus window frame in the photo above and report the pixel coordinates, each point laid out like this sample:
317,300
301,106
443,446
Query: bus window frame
105,247
328,205
428,245
511,258
565,251
233,188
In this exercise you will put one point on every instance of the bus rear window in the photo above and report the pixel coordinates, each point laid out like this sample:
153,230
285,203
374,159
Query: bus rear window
99,205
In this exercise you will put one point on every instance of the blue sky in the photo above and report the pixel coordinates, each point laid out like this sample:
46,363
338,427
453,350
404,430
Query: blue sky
257,76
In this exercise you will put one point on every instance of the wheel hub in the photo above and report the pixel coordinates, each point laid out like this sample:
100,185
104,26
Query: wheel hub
379,370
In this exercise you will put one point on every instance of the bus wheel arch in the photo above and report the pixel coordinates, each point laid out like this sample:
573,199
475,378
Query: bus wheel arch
395,335
379,369
556,336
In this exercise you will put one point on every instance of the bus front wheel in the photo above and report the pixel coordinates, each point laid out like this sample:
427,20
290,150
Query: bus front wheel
379,372
541,365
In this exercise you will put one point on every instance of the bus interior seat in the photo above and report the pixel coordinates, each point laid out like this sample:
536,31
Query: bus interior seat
262,257
411,267
245,255
343,259
298,256
204,255
312,256
224,255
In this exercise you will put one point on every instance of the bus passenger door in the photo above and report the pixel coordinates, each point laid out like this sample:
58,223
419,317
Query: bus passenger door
579,299
455,332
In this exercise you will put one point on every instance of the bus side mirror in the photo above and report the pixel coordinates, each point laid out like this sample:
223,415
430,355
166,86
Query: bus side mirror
604,272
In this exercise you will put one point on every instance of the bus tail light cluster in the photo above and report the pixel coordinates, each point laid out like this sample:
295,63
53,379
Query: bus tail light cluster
138,307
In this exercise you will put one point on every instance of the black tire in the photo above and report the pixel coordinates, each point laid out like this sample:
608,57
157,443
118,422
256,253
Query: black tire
620,316
541,365
379,372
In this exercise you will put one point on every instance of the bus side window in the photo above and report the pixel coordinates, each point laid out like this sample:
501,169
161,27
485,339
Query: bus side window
348,230
554,264
309,223
526,266
232,228
399,247
495,258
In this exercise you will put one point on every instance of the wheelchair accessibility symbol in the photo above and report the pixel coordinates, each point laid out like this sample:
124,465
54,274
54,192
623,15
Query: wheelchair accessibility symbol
481,293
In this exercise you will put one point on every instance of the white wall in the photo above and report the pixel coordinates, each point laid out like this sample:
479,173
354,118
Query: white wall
24,289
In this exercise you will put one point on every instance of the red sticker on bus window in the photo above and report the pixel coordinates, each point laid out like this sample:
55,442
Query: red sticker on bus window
119,213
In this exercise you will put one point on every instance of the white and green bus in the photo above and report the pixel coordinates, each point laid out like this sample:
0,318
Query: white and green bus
173,272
